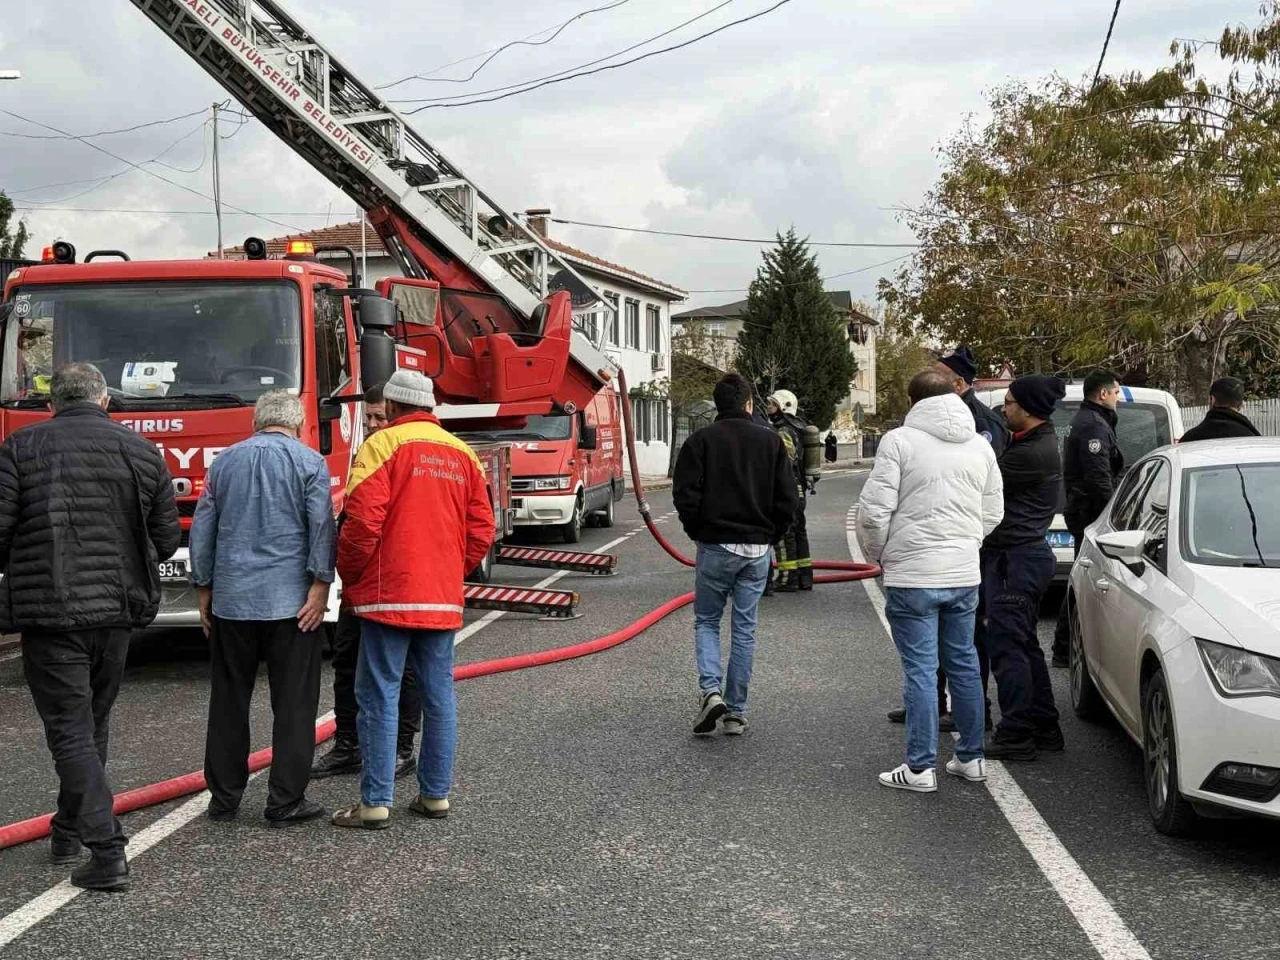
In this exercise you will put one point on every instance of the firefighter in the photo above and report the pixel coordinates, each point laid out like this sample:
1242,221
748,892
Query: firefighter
795,566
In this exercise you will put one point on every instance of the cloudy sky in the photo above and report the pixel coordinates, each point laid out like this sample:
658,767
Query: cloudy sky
825,114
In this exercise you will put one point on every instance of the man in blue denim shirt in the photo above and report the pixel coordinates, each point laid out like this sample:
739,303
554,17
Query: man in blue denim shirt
262,557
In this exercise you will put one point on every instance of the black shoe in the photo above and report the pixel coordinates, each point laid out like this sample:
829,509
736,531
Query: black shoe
1061,660
303,811
1015,751
1050,739
64,851
107,875
786,586
898,716
406,763
343,758
221,814
805,580
946,723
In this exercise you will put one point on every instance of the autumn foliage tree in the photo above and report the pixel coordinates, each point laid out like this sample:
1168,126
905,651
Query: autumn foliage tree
13,239
1129,223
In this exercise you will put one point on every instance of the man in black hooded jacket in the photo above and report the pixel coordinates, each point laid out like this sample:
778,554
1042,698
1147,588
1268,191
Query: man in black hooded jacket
86,515
1224,419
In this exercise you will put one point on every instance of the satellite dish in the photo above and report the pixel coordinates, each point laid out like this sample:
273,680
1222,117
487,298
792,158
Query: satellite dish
579,293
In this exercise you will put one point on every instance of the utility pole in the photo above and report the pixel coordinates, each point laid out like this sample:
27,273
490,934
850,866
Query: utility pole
217,181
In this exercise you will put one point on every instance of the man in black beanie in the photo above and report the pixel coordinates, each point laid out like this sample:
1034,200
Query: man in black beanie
1018,566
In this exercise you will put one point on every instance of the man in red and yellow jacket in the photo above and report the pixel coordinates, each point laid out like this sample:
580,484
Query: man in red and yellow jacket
418,518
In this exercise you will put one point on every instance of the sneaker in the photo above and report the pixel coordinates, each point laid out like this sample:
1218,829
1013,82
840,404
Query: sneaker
342,759
1017,751
902,778
64,851
898,716
406,763
368,818
107,875
432,808
734,725
713,708
975,771
1050,739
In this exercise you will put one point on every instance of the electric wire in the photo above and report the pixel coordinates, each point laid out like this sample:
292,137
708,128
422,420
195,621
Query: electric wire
1106,43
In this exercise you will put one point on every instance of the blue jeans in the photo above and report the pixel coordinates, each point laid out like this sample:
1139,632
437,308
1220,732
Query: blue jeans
719,576
384,651
927,623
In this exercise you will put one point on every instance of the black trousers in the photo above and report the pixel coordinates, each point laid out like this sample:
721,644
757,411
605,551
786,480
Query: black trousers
293,671
74,679
1062,630
346,654
793,549
1014,581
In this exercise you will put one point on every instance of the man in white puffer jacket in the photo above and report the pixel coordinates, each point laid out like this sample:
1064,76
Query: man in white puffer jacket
933,496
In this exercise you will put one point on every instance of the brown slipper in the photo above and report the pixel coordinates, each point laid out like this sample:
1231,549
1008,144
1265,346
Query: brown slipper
369,818
429,807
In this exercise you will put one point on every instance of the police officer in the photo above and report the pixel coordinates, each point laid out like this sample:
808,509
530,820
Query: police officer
1092,465
962,369
1018,567
795,566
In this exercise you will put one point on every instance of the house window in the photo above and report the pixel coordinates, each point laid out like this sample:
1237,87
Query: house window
716,329
632,320
588,323
611,320
654,317
653,421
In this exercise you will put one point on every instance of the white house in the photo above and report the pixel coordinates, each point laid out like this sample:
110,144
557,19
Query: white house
640,342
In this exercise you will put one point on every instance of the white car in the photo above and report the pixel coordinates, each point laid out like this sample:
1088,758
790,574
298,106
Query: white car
1175,626
1146,419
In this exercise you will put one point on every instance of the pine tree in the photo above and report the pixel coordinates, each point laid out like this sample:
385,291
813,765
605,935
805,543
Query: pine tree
11,242
792,337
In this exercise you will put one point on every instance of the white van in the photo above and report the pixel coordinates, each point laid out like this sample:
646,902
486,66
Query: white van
1147,419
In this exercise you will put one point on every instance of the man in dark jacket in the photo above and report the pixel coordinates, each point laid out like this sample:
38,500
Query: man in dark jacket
1018,567
735,493
1092,465
86,514
1224,419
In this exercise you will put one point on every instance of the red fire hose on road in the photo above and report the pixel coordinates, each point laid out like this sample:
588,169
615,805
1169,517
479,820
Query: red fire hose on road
131,800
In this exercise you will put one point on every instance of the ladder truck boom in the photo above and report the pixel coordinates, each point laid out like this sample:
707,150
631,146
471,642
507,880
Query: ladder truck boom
523,353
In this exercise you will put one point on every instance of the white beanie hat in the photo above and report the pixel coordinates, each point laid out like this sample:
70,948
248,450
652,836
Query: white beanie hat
411,388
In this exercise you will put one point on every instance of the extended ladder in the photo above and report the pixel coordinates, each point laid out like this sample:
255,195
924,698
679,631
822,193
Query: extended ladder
290,81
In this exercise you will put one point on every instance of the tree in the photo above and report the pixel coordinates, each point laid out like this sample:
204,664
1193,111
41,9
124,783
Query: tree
1128,223
12,241
693,379
898,359
792,337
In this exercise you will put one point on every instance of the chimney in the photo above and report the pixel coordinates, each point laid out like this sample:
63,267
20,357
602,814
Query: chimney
538,221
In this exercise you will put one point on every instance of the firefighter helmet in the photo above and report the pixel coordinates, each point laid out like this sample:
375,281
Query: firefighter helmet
786,401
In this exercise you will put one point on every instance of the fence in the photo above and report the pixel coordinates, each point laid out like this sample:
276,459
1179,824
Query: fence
1265,415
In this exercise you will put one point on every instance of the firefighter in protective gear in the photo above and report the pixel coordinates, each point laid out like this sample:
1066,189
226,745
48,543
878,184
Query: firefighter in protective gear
795,566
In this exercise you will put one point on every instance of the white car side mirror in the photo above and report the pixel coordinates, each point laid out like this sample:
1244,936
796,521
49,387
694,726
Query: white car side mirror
1126,546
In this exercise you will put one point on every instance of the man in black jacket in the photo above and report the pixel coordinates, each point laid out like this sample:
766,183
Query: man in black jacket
1224,419
735,492
1017,569
86,514
1092,465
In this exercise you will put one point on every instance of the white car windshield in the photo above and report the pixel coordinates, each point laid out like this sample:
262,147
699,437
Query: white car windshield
1140,427
1229,517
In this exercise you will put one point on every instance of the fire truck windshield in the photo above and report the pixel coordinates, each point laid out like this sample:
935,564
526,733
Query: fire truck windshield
553,426
156,342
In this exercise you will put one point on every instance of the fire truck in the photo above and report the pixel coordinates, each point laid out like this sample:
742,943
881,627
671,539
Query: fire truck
484,307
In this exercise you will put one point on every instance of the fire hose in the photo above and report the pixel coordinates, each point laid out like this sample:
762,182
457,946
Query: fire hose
149,796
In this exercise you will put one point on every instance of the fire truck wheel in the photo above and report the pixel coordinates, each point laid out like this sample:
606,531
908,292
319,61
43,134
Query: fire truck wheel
573,529
605,517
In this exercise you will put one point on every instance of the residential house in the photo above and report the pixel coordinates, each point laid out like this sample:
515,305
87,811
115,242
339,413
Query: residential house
640,342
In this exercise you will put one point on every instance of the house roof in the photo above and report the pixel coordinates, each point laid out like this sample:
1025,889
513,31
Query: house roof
348,235
842,300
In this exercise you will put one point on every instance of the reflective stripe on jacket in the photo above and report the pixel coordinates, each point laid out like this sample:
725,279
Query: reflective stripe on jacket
418,520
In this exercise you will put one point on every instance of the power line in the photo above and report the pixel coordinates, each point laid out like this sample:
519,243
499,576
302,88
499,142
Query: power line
526,41
706,236
569,70
150,173
834,276
100,133
1106,43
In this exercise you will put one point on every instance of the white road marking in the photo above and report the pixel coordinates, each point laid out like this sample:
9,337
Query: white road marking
1093,911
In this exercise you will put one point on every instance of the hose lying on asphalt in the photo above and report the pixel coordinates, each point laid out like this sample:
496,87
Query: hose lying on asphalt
131,800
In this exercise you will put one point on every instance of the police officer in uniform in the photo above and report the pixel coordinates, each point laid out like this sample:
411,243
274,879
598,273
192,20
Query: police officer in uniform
1092,465
795,566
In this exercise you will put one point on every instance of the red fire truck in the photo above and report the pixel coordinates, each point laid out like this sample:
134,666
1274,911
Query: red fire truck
484,307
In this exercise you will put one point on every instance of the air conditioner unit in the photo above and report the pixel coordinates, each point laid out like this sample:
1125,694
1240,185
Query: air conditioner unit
659,361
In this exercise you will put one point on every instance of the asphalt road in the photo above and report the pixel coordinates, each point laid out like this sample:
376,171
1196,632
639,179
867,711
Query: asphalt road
588,821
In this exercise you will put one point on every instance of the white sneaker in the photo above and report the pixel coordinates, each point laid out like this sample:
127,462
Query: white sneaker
901,778
975,771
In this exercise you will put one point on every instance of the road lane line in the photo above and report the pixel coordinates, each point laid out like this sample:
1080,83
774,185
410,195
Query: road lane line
1093,911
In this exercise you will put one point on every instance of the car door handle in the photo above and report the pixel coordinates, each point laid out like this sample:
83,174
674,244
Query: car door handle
1085,563
1103,584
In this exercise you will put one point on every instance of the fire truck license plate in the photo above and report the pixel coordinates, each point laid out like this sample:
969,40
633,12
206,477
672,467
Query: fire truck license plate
173,570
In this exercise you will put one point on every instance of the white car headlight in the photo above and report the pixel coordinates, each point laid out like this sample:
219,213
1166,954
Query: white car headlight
1239,673
551,483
